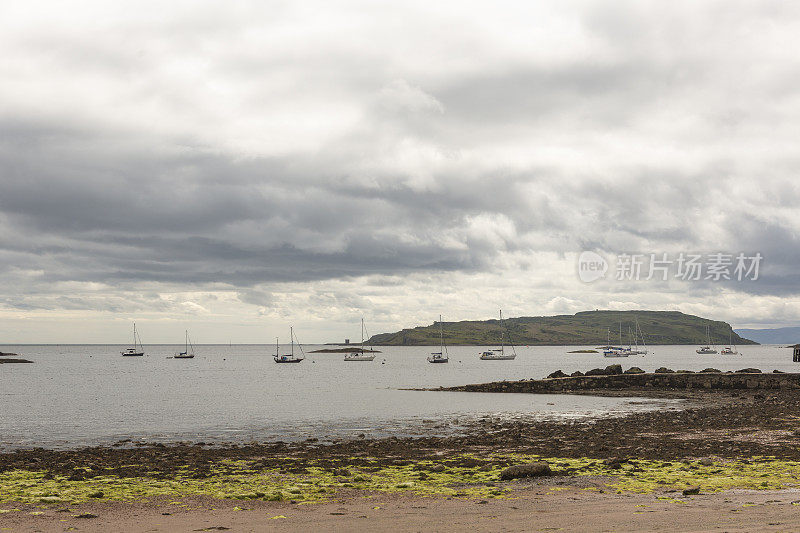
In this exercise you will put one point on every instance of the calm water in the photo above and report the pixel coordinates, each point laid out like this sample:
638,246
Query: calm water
75,395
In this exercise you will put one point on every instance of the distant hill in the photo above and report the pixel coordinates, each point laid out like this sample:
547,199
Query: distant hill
585,328
772,336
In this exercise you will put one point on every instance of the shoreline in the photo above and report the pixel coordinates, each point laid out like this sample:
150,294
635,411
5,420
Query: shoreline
718,441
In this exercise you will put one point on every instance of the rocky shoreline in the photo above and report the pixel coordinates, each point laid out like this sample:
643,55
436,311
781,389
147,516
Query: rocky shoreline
6,358
635,379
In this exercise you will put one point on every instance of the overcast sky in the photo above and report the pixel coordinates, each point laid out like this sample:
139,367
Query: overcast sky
237,167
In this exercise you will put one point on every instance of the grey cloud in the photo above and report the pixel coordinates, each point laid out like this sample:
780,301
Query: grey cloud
440,167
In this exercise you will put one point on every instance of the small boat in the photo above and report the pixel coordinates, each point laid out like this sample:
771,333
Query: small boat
615,351
707,349
186,353
499,354
637,334
138,349
290,357
441,356
362,355
730,349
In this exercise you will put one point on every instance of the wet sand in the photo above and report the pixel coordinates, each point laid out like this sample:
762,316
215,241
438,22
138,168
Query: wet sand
534,507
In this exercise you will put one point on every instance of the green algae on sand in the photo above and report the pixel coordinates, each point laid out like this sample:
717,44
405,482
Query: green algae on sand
456,476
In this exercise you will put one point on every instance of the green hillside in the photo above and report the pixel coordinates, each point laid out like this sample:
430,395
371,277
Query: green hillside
585,328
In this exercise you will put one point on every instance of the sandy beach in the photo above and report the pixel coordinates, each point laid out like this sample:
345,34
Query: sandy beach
535,506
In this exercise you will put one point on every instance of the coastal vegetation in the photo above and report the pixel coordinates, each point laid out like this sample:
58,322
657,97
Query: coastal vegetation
463,475
584,328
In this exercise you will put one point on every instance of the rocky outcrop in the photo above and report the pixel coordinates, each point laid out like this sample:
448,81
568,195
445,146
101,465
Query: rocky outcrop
662,379
634,370
537,469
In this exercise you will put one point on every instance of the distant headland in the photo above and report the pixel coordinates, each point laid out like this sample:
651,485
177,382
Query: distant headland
581,329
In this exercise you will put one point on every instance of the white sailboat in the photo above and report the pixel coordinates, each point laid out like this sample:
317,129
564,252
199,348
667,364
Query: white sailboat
637,334
186,353
617,351
441,356
730,349
707,348
362,355
499,354
138,349
289,357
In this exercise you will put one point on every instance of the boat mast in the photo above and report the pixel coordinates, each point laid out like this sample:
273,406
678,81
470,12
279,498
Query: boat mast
502,335
441,336
291,334
134,336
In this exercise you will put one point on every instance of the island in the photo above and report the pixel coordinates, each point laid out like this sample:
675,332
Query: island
586,328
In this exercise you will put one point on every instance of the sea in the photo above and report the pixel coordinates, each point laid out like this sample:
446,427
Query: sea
80,395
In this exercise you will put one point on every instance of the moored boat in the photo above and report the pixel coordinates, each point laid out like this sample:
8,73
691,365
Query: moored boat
707,349
138,349
290,357
360,355
441,356
499,354
730,349
186,353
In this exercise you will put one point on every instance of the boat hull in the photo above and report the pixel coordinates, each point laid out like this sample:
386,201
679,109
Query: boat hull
132,354
359,357
498,357
183,356
281,360
438,360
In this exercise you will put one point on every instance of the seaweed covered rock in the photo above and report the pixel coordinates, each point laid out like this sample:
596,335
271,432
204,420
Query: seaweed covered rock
596,372
664,370
748,371
576,374
538,469
613,370
557,374
634,370
711,371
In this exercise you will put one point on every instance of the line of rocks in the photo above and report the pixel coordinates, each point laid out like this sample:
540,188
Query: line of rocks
614,378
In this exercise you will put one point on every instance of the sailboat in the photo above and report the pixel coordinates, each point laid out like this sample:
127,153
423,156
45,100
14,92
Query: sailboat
360,356
138,349
290,357
499,354
186,354
441,356
730,349
638,333
707,348
617,351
